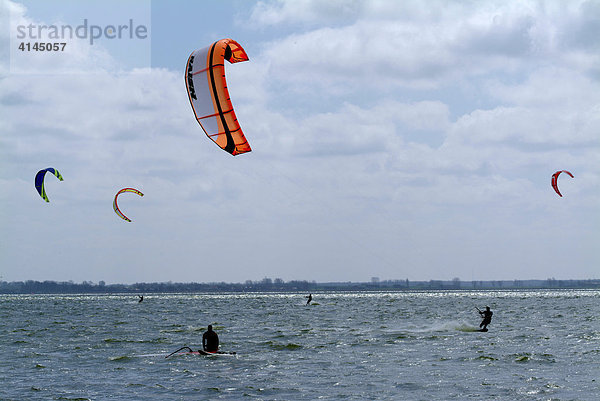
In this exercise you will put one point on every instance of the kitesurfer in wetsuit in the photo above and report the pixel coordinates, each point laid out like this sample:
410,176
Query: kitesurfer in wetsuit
487,317
309,299
210,340
141,298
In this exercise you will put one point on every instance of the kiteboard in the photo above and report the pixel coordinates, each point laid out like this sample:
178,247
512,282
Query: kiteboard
199,352
205,353
482,330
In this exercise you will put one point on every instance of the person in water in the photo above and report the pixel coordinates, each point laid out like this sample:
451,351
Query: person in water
210,340
141,298
309,299
487,317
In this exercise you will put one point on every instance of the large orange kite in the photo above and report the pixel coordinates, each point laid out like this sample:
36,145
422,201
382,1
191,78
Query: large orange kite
209,97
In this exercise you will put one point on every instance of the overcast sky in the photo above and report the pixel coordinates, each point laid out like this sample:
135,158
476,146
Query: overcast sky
390,139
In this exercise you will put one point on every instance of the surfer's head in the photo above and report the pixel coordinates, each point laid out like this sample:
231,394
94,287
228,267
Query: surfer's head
487,308
210,326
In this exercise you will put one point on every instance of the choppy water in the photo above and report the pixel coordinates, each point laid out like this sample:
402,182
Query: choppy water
386,346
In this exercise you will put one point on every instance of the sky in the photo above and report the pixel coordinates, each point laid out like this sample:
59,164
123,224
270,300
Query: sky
391,139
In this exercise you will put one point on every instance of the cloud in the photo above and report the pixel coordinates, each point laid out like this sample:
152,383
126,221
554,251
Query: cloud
384,46
304,12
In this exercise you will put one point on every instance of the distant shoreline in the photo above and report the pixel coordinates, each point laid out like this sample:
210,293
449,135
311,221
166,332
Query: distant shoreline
278,285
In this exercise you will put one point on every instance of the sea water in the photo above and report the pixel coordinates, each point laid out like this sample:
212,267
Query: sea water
541,345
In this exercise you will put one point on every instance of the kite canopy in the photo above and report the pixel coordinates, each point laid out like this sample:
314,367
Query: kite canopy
116,206
555,180
39,181
209,97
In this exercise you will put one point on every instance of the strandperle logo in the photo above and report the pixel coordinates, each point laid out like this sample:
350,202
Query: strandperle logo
83,31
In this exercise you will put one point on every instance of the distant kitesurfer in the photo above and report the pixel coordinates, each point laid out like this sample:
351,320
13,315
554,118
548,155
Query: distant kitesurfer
309,299
141,298
210,340
487,317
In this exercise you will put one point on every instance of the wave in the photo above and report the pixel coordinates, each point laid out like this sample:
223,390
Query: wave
159,340
122,358
151,355
282,347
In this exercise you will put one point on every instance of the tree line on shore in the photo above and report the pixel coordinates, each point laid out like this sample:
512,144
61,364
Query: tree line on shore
278,285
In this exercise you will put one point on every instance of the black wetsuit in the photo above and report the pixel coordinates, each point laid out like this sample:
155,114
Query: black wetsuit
210,341
487,318
309,299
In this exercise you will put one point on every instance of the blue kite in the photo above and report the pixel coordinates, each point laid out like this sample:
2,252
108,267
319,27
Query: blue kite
39,181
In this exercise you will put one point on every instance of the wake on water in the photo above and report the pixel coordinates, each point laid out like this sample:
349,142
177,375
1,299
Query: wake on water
467,328
454,326
440,327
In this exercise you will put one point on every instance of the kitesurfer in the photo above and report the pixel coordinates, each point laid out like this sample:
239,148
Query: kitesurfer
309,299
210,340
141,298
487,317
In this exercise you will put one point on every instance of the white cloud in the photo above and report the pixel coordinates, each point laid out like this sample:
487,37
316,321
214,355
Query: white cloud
390,45
304,11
